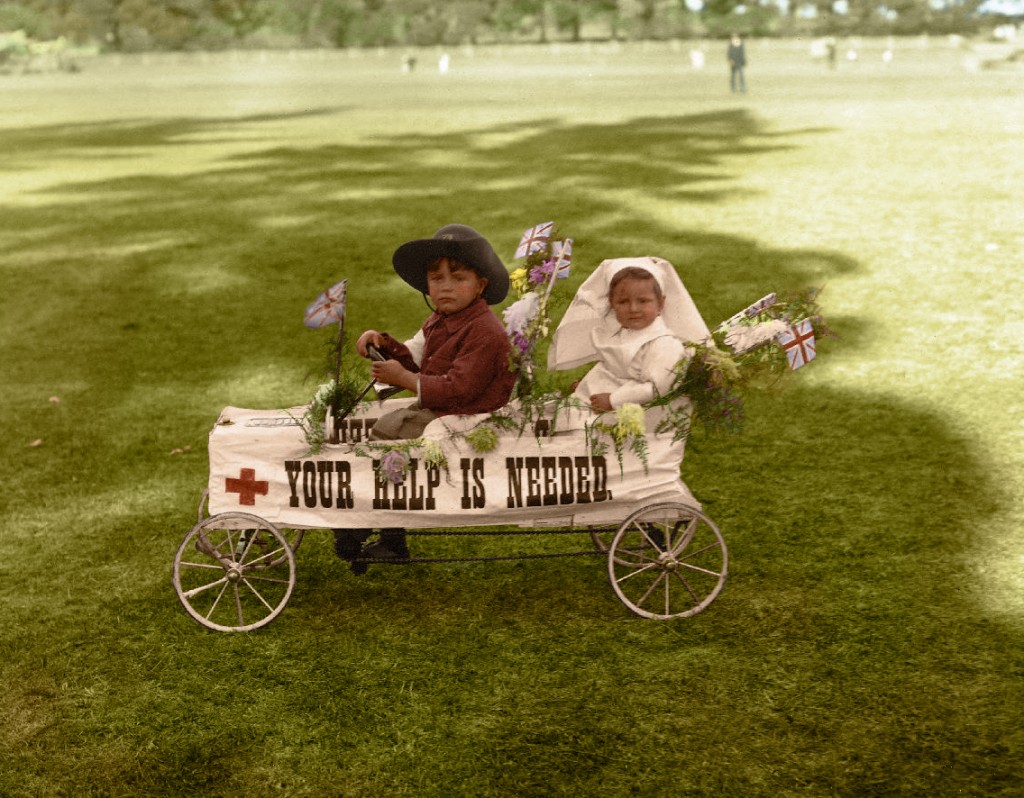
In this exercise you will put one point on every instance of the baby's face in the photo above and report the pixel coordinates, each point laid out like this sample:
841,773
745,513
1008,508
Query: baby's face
636,303
452,290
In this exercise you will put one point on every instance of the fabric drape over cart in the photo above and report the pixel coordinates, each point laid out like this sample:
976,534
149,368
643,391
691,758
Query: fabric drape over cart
549,474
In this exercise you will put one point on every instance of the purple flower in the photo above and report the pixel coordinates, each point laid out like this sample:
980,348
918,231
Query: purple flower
393,464
520,342
539,274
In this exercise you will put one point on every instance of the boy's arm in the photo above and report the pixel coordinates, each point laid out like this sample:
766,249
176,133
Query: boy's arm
416,345
392,372
403,353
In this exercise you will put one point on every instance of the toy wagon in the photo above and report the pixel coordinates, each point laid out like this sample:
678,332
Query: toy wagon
548,472
235,569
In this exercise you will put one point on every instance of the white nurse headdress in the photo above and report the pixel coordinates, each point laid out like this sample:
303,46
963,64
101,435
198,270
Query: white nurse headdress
572,346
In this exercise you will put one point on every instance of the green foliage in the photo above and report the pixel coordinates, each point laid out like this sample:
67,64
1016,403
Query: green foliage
243,17
137,25
483,438
343,390
628,433
339,397
395,457
18,16
711,382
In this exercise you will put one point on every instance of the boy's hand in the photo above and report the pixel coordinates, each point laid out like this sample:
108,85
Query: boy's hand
369,337
393,373
601,402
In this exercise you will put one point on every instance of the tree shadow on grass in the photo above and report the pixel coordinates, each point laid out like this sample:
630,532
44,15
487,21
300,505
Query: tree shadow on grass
851,636
849,516
273,227
167,296
110,139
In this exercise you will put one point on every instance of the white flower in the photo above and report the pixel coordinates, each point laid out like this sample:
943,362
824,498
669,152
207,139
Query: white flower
324,392
630,420
520,313
744,337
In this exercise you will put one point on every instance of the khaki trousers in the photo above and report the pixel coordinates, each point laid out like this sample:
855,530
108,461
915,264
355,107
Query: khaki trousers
407,422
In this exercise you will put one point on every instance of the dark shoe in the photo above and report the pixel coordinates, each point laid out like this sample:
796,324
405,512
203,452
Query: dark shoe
391,546
358,568
349,542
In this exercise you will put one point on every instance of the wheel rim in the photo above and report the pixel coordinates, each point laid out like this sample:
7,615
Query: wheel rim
667,561
234,572
602,537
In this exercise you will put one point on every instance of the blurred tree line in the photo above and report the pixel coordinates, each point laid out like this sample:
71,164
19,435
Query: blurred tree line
132,25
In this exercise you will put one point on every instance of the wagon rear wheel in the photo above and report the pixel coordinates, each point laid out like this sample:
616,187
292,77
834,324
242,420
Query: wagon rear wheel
667,561
602,536
293,536
234,572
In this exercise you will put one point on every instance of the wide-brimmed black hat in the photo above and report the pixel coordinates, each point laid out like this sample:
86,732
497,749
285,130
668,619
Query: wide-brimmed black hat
452,241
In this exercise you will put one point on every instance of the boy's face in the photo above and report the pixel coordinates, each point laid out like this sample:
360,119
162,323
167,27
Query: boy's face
636,303
453,287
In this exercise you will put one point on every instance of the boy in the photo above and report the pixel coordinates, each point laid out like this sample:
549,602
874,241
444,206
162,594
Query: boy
456,364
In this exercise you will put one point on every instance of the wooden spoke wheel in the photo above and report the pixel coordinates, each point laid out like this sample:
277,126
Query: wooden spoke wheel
667,561
234,572
293,536
602,536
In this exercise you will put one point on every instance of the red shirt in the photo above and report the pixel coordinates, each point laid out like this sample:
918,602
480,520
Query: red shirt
464,368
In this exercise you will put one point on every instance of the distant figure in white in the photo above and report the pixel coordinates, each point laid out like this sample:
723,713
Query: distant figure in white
442,64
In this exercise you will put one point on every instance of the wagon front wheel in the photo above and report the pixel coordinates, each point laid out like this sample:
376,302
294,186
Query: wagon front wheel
667,561
234,572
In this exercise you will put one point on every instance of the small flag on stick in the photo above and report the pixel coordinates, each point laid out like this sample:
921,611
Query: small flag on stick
751,311
328,308
534,239
561,251
798,342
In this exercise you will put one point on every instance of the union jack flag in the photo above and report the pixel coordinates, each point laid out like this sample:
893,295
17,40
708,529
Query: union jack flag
798,341
751,311
534,239
328,308
561,251
761,305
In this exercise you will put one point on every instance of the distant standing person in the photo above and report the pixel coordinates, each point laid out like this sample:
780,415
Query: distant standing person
737,56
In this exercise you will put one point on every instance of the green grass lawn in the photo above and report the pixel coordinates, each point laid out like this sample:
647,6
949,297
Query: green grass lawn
165,220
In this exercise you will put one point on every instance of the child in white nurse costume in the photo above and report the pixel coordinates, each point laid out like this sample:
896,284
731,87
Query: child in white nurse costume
636,350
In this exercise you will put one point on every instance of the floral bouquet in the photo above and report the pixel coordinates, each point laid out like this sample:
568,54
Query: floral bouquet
393,458
339,395
756,348
527,320
628,432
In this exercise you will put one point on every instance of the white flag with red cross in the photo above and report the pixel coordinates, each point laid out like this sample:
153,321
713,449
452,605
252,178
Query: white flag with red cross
798,343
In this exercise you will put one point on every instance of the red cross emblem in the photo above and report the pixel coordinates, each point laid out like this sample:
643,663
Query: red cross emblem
246,486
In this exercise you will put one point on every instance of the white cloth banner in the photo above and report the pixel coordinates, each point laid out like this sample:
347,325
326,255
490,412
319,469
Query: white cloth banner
260,464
